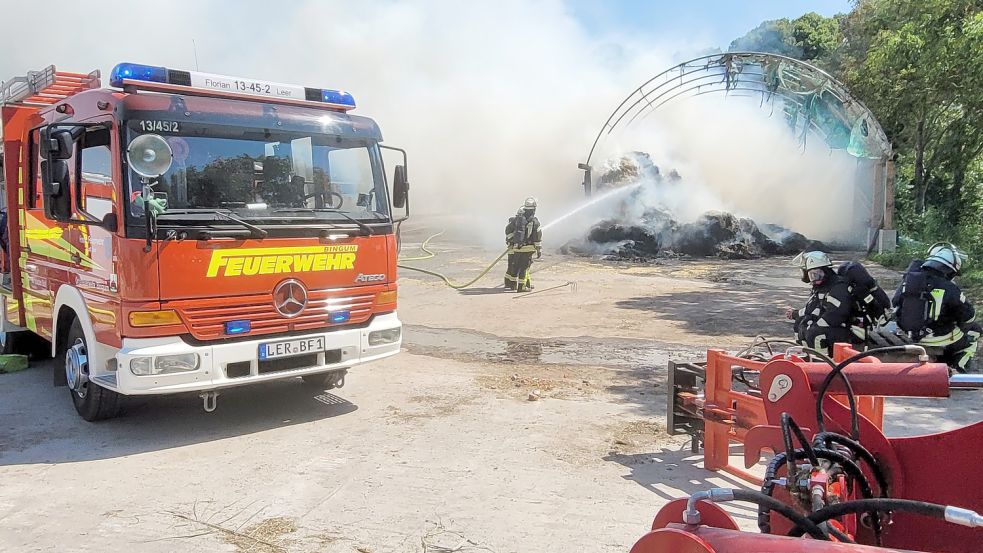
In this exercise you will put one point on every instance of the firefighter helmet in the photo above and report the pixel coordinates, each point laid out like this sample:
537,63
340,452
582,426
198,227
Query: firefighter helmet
945,258
814,265
529,204
812,260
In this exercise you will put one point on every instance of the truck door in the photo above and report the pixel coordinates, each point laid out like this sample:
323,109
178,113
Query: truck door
46,252
92,260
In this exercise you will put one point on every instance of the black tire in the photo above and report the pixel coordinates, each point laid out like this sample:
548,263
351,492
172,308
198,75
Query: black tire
326,381
92,402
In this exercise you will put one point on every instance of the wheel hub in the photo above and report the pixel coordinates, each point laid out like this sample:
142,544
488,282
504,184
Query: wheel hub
77,368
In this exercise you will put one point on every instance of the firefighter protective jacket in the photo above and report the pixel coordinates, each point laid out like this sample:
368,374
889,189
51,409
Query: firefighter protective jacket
523,234
830,305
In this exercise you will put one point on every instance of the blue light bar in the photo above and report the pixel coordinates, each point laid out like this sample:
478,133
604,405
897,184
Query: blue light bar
340,317
237,327
337,97
137,72
129,73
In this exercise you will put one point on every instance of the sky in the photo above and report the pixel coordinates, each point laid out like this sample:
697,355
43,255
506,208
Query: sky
713,23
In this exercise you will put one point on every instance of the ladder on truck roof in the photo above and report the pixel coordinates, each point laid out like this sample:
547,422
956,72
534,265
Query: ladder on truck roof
45,87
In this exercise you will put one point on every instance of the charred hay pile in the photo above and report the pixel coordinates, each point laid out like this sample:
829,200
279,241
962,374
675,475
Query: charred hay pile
654,232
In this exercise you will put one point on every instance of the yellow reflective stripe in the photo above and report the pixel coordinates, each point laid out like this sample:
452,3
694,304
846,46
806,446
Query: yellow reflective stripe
526,249
938,295
943,340
834,301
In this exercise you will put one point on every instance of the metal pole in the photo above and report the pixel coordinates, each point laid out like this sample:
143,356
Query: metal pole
587,180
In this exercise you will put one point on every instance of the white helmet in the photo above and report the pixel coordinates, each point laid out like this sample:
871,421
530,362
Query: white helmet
812,260
812,265
529,204
947,255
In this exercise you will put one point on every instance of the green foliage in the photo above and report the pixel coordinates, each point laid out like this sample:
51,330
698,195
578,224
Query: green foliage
918,66
812,37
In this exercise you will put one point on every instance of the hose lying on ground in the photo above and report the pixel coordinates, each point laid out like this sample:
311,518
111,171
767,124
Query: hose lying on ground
430,254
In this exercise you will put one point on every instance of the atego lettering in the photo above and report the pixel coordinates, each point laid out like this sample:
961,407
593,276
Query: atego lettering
271,261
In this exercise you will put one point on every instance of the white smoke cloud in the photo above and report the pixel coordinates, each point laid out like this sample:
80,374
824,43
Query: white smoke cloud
494,101
737,155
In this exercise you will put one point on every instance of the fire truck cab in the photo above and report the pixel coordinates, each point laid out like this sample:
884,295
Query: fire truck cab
189,232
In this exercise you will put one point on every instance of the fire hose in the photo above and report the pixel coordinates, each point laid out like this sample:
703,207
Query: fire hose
429,254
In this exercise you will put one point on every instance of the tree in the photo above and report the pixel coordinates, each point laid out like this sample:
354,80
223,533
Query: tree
811,38
916,65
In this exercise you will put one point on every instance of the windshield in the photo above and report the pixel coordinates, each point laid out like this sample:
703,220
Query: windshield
262,173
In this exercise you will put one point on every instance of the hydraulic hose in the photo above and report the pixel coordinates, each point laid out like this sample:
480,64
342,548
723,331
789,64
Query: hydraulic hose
851,397
717,495
849,466
948,513
838,369
823,439
788,424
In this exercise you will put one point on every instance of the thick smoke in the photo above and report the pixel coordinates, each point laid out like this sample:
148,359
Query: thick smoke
493,101
738,156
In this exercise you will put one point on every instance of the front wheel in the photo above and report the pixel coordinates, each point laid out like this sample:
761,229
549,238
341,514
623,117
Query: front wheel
92,402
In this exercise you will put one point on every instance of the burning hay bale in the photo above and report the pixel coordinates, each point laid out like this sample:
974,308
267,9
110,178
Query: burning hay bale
656,233
715,234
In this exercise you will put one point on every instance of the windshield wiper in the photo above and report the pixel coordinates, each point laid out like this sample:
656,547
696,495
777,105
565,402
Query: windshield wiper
256,231
362,226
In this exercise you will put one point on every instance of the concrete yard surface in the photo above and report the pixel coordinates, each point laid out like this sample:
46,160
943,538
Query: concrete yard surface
509,423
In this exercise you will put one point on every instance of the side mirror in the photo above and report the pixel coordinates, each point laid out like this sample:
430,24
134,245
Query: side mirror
54,182
56,143
401,186
110,222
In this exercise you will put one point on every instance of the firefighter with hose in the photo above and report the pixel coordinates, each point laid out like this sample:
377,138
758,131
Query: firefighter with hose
932,310
524,237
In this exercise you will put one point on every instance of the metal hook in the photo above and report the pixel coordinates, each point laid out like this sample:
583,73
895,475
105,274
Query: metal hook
210,400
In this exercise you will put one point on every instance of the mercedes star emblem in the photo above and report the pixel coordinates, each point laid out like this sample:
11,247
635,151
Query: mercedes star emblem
290,298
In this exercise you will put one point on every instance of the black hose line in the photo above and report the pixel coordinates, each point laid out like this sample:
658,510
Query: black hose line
838,369
838,535
797,518
850,467
851,397
872,505
824,439
788,423
767,488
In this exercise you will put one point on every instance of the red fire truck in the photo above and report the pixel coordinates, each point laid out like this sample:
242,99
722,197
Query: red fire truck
189,232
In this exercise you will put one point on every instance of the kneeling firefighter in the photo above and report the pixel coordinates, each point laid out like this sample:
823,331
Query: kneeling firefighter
524,237
933,311
831,315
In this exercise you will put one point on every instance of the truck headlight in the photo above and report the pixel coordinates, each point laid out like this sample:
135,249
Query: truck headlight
380,337
164,364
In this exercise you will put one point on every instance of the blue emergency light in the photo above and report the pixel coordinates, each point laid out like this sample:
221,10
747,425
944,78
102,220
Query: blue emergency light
339,317
237,327
230,85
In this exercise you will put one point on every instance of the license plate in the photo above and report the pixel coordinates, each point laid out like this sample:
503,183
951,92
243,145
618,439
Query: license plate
290,348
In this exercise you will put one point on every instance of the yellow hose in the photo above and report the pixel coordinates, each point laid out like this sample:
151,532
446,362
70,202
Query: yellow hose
431,254
423,246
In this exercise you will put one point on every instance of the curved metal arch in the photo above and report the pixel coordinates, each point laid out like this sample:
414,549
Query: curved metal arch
732,69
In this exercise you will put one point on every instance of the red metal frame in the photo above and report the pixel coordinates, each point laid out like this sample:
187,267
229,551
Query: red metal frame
938,468
729,414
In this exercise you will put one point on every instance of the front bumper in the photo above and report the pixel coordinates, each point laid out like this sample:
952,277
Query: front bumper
214,360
